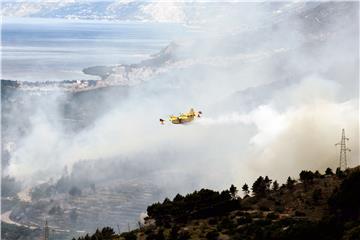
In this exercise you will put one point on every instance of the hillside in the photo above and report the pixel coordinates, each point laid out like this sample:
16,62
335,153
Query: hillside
317,206
275,82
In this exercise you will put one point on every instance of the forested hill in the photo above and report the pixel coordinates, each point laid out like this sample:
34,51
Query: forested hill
316,206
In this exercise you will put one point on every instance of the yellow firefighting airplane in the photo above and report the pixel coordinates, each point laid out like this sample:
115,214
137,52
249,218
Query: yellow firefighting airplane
183,117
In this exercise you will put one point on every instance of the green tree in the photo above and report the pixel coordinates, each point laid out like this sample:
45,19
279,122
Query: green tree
275,186
259,187
233,191
317,174
107,232
290,183
307,178
245,189
178,198
268,182
328,172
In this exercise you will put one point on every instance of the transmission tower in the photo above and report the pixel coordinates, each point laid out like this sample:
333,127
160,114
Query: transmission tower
343,150
46,231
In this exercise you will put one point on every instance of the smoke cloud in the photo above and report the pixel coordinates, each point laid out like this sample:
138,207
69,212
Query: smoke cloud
276,88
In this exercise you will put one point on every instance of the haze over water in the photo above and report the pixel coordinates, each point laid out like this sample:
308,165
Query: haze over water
58,49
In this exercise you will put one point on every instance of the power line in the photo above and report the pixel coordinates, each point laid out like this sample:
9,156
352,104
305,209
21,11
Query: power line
343,151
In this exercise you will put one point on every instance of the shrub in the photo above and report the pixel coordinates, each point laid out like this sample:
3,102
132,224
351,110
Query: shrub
280,209
226,223
213,221
184,235
129,236
174,233
244,219
212,235
263,222
272,216
264,208
299,213
316,196
347,198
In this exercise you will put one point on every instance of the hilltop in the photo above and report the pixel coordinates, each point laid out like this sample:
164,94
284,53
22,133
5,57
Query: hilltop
316,206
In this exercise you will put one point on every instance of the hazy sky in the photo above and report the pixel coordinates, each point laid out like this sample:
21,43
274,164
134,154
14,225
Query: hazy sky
276,88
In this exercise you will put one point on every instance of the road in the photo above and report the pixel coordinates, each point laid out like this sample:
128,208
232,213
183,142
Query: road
5,217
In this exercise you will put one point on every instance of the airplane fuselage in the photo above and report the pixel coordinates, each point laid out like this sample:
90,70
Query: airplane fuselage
185,118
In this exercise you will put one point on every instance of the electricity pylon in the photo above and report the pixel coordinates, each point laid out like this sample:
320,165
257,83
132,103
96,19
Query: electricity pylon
46,232
343,150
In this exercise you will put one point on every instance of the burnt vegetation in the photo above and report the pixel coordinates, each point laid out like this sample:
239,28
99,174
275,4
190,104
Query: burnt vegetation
317,206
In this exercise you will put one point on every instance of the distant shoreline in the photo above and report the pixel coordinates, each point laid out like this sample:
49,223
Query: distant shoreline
75,49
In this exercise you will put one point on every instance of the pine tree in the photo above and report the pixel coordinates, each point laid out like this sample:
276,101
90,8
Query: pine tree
233,191
317,174
275,186
268,182
328,171
245,189
290,183
259,187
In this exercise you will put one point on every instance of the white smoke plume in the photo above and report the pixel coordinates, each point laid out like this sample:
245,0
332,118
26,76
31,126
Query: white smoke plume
275,131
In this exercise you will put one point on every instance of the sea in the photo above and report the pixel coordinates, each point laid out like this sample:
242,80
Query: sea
40,49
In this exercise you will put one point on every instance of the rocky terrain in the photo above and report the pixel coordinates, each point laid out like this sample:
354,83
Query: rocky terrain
317,206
